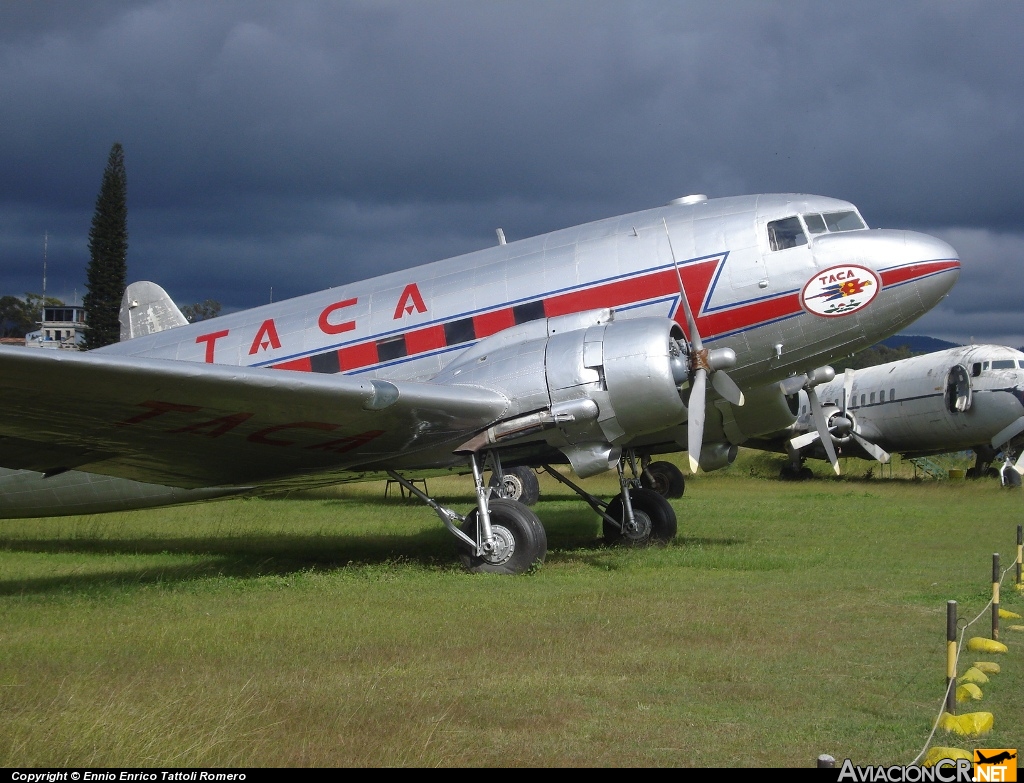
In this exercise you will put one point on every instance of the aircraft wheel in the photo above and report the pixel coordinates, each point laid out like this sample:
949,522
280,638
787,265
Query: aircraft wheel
1010,478
655,520
520,542
518,484
806,473
667,481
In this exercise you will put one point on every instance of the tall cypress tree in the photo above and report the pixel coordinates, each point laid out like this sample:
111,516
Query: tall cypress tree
107,275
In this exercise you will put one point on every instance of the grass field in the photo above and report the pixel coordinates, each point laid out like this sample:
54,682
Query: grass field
787,620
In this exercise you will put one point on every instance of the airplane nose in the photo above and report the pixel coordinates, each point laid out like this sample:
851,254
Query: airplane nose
916,272
931,265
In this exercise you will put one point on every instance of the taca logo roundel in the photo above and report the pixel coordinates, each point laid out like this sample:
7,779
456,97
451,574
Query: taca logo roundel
840,290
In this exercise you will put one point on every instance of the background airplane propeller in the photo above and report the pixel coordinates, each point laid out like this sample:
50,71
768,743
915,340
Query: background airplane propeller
701,363
840,425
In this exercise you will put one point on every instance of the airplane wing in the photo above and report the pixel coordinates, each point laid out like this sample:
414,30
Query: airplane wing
187,424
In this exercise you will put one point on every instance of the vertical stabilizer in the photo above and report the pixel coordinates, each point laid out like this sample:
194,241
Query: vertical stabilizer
146,309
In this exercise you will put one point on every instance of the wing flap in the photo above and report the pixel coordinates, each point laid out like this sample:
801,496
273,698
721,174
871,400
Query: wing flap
187,424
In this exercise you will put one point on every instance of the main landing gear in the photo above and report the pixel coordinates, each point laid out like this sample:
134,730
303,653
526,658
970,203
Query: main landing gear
504,536
499,536
637,516
516,484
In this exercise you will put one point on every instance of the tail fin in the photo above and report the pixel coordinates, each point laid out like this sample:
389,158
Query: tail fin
146,309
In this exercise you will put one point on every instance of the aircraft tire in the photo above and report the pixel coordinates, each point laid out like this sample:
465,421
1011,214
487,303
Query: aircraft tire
518,484
668,480
519,535
1010,478
655,520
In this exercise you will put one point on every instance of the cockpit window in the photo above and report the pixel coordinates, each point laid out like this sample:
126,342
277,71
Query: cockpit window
786,233
1004,364
833,222
815,224
843,221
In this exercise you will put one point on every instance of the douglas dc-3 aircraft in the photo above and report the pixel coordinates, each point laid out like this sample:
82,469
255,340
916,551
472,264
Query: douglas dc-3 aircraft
970,397
591,346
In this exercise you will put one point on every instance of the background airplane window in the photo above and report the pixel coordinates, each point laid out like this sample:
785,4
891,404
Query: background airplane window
843,221
815,224
892,395
786,233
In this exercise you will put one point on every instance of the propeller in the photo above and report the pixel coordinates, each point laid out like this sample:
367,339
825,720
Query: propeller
701,363
807,382
842,424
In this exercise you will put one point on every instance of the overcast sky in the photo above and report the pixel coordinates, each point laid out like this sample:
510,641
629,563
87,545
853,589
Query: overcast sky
295,146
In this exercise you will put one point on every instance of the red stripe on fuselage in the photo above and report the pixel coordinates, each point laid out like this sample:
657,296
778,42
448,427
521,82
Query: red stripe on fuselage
903,274
697,278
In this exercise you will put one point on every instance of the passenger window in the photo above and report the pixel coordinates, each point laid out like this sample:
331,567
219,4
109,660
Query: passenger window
872,398
843,221
786,233
815,224
892,395
862,399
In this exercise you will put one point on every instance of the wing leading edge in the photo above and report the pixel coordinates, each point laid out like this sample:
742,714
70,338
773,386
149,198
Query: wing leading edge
190,425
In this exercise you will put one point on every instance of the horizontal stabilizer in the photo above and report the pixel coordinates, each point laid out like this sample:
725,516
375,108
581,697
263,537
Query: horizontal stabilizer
146,309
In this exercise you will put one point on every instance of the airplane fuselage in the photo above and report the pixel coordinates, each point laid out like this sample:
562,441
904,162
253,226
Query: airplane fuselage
940,402
764,303
787,282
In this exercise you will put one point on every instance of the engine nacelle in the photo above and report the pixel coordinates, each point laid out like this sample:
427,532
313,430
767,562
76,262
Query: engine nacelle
717,455
589,384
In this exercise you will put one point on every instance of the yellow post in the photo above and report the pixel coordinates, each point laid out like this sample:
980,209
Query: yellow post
995,596
951,657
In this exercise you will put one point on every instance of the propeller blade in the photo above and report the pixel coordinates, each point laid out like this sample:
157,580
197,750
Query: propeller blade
727,387
875,451
1007,433
804,440
792,384
822,426
691,323
847,388
695,419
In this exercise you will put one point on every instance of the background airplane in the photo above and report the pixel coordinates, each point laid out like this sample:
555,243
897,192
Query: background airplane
597,346
970,397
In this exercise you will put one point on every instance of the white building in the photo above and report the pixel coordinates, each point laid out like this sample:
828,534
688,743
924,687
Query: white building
63,326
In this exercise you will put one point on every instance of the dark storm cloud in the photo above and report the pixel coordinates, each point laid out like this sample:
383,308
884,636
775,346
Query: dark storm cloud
302,145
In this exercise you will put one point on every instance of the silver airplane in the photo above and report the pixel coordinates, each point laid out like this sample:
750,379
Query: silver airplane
970,397
595,346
